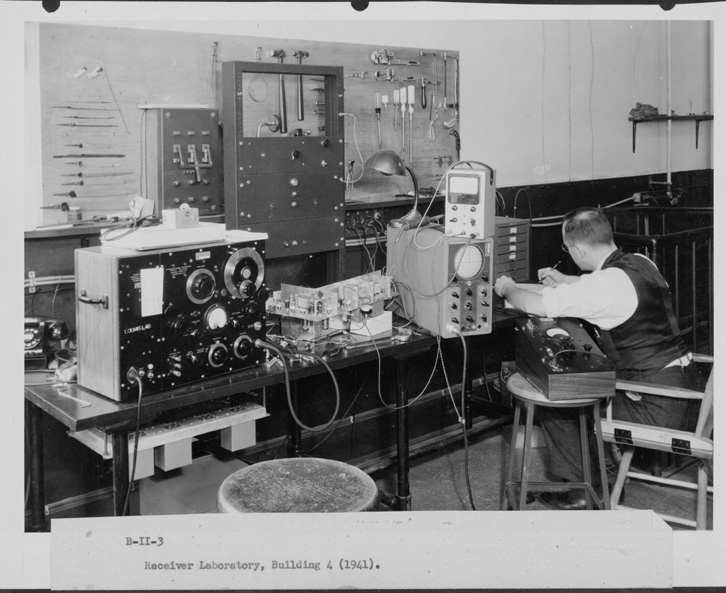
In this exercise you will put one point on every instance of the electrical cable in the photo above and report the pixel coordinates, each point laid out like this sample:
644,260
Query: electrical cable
460,416
411,401
463,420
335,428
375,237
134,373
360,156
542,103
143,177
268,346
362,240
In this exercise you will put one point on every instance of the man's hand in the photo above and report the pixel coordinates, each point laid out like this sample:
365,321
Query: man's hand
551,277
501,285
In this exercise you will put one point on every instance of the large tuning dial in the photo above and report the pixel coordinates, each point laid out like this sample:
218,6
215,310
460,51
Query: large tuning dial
244,273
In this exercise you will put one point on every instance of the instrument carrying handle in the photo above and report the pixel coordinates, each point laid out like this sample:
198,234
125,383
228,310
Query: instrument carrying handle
103,301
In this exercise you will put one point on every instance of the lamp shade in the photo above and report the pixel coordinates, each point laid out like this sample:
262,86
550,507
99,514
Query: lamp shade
386,162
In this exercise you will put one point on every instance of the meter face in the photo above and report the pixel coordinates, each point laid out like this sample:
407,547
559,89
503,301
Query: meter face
463,189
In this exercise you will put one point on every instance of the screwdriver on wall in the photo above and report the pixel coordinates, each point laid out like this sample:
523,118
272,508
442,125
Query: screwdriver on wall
411,101
403,117
378,117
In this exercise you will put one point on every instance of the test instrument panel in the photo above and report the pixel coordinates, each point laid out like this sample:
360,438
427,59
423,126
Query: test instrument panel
561,359
448,279
183,149
470,200
175,315
284,180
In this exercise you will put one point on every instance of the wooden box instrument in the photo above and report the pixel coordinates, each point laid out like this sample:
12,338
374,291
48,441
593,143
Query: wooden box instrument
560,358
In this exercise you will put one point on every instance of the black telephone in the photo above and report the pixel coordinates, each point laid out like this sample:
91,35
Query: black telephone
42,339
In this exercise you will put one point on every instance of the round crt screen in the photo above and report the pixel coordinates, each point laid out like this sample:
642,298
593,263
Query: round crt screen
468,262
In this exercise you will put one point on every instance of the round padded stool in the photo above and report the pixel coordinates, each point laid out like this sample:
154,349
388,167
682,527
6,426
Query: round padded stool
527,396
298,485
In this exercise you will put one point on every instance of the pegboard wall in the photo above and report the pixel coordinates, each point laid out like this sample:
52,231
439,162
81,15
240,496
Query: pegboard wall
93,80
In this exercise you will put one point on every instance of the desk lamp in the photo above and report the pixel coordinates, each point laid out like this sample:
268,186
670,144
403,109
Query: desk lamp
389,163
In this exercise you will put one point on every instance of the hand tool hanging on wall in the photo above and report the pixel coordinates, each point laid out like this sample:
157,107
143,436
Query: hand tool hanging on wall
75,125
423,93
89,117
458,143
77,108
411,102
450,123
433,116
281,100
87,175
403,117
384,100
63,206
349,176
88,156
385,57
378,117
445,108
396,104
300,55
258,96
82,164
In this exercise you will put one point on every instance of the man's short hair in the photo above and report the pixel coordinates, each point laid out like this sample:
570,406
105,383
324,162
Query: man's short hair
589,226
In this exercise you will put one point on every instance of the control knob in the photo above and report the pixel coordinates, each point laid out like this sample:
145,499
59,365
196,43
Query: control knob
217,354
247,288
179,325
194,358
242,347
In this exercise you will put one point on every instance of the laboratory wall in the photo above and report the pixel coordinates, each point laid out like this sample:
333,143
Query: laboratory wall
547,101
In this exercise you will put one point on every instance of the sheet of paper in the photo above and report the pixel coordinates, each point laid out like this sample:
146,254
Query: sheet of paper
152,291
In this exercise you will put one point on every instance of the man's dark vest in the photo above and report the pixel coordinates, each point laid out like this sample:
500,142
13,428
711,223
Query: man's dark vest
648,340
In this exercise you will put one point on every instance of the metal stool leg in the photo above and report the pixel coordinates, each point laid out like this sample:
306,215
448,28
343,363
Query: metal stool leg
512,452
601,458
585,451
529,408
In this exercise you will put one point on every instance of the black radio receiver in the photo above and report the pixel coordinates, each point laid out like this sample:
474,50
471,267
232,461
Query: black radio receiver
168,316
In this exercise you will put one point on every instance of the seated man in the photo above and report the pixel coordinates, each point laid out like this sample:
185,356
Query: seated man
626,297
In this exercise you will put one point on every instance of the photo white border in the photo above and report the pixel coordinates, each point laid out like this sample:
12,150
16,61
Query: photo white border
698,557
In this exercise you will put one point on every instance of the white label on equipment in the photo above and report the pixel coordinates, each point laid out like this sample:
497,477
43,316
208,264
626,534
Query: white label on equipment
152,291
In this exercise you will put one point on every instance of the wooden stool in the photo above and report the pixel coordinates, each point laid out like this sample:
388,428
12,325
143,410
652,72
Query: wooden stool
298,485
528,396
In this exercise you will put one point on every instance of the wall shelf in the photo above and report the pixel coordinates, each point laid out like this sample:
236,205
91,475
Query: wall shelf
658,118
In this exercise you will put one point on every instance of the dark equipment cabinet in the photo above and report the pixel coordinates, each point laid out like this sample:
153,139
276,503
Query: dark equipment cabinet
280,179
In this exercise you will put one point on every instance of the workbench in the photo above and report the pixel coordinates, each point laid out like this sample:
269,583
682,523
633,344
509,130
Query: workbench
80,409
